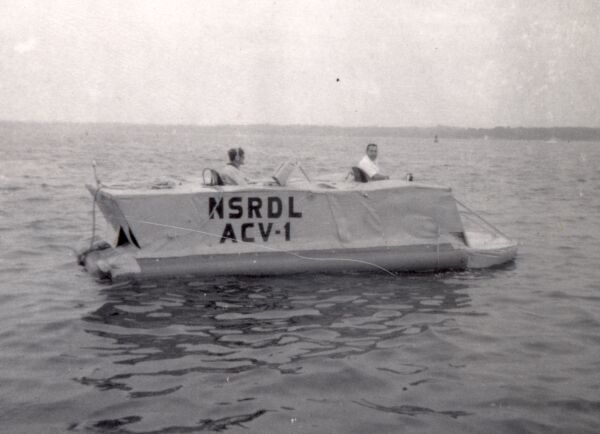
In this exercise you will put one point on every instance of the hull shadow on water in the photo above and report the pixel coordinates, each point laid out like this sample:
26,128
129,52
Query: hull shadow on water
163,335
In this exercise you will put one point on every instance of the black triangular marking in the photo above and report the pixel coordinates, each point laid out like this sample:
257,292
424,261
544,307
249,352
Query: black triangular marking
122,238
133,240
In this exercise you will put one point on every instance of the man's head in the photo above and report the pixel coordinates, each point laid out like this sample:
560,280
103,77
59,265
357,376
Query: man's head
372,151
236,156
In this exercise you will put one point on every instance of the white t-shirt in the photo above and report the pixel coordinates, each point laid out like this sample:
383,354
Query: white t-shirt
368,166
231,175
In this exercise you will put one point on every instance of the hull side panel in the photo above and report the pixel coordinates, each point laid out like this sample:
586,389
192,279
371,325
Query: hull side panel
407,258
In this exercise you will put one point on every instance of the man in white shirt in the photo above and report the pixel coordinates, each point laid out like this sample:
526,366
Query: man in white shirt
232,174
368,164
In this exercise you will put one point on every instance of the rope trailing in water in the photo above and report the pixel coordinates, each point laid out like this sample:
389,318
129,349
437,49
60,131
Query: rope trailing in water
268,247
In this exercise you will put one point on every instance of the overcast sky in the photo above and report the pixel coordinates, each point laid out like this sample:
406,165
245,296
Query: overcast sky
352,63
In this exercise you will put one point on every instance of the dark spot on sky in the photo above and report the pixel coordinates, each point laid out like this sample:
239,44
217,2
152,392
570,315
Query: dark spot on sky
337,79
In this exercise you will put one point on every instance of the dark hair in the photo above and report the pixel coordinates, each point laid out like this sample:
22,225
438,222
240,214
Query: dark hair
371,144
235,151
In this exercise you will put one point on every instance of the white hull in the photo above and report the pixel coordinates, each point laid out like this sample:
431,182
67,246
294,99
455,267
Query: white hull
486,250
383,227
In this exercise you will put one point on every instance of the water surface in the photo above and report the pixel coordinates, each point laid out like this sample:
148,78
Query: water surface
513,349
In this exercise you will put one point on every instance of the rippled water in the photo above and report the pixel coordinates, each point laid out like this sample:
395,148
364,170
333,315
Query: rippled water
514,349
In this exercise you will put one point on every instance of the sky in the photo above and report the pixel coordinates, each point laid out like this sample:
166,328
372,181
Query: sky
475,63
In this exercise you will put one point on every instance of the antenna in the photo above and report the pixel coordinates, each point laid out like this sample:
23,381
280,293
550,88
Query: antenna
94,165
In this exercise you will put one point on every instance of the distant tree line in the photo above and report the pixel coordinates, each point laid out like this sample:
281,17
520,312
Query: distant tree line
441,131
520,133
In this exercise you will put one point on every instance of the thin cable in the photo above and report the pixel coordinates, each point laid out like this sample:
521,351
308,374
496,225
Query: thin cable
491,226
98,187
94,200
270,248
303,171
93,220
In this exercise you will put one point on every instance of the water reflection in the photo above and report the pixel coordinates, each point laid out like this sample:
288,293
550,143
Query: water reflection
162,334
221,424
225,320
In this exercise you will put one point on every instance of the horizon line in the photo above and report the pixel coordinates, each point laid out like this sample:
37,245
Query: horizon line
250,125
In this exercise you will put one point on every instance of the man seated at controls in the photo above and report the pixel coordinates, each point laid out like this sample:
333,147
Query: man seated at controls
232,174
368,164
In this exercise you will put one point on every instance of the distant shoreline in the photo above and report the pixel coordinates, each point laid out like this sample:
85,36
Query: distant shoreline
442,132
